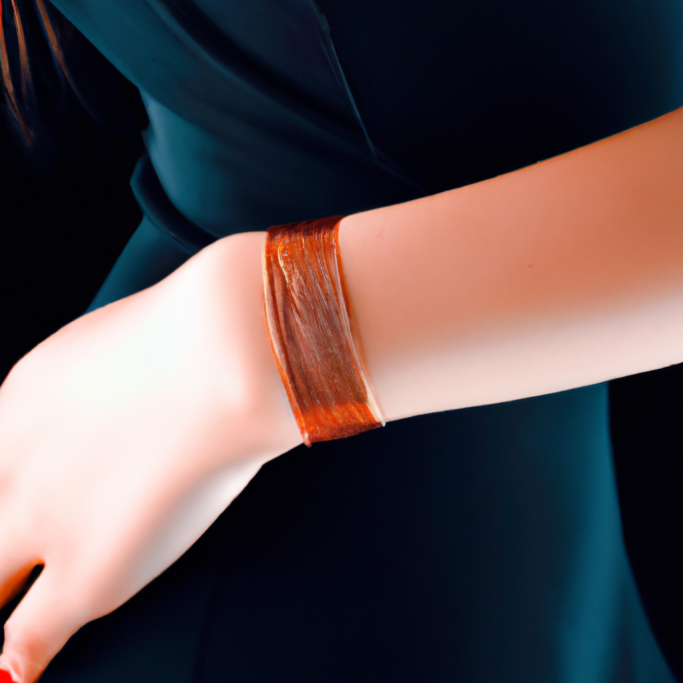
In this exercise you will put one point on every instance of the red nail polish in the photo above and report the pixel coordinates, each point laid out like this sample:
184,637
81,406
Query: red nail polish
5,676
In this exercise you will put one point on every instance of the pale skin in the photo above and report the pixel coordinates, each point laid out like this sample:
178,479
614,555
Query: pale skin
125,434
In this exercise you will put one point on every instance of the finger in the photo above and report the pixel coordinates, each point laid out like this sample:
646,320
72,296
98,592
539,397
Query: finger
14,578
38,628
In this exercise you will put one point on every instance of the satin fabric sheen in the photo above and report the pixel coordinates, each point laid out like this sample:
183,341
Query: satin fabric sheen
474,545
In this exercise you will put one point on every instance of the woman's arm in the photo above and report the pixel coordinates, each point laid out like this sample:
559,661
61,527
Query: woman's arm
125,434
555,276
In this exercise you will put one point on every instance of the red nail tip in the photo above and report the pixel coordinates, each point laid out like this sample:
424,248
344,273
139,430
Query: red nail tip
5,677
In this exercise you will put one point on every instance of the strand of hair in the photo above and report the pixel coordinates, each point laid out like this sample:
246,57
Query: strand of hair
23,53
52,38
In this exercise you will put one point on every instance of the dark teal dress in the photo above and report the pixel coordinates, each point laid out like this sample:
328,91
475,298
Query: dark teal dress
480,545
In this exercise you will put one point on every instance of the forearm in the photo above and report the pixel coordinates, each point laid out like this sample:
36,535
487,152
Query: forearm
555,276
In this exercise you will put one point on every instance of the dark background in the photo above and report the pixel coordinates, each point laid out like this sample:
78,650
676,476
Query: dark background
66,211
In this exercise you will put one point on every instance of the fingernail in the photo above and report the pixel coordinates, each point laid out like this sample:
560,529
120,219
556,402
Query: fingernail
6,677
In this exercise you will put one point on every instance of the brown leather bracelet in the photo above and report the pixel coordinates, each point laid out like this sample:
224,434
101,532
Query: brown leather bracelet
310,332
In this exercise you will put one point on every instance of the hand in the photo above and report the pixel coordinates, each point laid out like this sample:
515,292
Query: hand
124,435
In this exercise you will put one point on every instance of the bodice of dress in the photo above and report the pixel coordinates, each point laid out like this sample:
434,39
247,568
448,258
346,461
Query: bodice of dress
238,139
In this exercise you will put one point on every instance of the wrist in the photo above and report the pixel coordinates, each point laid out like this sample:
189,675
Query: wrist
227,281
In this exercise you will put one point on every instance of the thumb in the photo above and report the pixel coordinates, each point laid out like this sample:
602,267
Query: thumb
37,630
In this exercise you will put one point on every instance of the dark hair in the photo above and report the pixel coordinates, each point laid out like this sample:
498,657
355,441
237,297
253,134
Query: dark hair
20,94
43,58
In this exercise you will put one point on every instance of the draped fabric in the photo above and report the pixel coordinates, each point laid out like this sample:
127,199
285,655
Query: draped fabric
477,545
